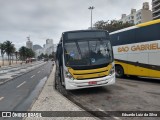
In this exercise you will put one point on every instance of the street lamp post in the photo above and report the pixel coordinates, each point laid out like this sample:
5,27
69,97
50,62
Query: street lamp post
91,8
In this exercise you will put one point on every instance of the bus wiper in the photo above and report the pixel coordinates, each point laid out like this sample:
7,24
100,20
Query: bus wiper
78,49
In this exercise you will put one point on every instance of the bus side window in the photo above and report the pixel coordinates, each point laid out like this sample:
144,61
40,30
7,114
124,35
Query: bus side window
114,39
130,36
118,37
123,38
148,33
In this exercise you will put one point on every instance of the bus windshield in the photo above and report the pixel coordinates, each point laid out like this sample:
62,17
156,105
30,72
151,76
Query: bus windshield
88,52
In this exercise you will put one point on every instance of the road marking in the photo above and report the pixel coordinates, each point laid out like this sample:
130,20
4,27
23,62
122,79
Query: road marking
1,98
117,118
100,109
21,84
38,71
32,76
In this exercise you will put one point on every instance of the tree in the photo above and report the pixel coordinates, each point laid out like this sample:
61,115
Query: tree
46,55
22,53
29,53
16,54
41,56
26,53
9,49
2,48
112,25
50,56
13,49
53,55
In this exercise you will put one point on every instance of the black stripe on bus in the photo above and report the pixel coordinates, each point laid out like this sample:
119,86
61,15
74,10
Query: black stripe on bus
88,67
153,67
90,73
90,78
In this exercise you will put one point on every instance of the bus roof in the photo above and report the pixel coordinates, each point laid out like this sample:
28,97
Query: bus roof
84,34
137,26
149,23
85,31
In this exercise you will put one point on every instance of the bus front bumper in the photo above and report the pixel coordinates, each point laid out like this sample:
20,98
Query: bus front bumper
78,84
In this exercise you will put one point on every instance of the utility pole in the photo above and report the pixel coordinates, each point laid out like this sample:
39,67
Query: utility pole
91,8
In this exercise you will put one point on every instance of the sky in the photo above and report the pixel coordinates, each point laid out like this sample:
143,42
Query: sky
42,19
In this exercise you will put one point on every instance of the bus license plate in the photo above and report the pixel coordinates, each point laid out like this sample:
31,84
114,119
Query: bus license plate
92,82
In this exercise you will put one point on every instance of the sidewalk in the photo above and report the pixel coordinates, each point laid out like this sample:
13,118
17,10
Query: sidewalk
51,100
6,64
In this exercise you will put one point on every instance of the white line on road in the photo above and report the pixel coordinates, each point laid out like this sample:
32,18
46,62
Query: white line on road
38,71
1,98
32,76
21,84
117,118
100,109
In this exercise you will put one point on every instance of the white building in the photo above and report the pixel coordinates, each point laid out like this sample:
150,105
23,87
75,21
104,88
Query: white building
48,48
38,52
49,41
29,44
51,49
137,17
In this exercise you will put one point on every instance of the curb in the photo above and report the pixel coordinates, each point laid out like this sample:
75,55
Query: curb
54,88
39,91
51,100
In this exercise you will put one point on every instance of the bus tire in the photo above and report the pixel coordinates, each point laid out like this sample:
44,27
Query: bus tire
119,71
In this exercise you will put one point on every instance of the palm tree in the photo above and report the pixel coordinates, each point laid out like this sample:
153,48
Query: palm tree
30,53
2,48
22,53
13,51
26,53
9,49
16,54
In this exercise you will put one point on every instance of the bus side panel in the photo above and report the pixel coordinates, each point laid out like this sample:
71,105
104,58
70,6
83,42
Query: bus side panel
134,68
154,59
130,61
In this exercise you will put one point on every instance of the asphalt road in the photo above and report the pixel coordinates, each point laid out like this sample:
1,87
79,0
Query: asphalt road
9,72
127,94
19,94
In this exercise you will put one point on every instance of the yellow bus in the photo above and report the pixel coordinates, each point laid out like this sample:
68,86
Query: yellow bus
137,50
85,59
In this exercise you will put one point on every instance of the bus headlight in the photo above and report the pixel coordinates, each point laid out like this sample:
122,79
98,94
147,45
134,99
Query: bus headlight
112,70
68,75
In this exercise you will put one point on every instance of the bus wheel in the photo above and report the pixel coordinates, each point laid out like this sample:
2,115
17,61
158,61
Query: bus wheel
119,71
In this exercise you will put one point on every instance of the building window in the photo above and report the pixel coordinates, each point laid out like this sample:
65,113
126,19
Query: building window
132,17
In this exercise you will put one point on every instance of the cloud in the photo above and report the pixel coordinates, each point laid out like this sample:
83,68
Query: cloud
42,19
